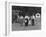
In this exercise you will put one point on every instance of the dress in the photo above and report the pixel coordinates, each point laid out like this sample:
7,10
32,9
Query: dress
26,22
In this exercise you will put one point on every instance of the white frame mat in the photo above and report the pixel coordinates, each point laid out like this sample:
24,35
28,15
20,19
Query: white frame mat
8,23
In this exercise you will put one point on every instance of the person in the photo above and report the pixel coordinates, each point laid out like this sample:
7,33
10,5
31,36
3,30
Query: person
32,22
26,20
29,23
33,17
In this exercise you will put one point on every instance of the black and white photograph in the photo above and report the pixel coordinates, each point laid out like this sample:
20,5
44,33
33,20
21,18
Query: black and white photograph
26,18
23,18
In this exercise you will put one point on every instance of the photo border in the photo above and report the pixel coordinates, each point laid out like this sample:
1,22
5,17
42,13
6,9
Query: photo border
7,11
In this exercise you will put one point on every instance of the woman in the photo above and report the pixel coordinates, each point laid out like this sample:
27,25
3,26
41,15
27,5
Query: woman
26,20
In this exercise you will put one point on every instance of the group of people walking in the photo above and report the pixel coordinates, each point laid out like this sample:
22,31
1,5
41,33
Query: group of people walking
29,20
26,20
